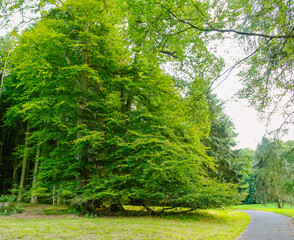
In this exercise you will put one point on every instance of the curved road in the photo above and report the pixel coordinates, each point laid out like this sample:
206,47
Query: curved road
267,226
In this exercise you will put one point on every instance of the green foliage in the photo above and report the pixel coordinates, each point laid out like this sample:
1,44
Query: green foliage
9,209
232,166
7,198
8,206
107,125
267,80
272,173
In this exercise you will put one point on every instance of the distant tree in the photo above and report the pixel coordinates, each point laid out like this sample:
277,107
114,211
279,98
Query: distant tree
231,165
271,173
287,157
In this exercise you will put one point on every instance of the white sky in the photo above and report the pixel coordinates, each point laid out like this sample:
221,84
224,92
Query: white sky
246,119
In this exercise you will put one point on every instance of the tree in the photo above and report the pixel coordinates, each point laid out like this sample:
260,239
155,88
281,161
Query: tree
267,78
231,165
107,124
271,173
265,26
221,141
287,157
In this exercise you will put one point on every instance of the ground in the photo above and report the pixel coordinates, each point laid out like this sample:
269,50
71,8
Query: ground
38,222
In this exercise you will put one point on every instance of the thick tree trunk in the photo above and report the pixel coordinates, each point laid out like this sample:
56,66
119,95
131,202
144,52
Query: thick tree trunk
34,199
24,164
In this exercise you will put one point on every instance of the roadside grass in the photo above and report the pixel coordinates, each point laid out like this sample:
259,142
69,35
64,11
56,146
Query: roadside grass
202,224
287,210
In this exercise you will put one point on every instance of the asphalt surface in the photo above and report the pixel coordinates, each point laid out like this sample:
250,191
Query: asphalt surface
267,226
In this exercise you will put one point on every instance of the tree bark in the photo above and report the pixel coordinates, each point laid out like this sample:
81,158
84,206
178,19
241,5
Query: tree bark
54,195
34,199
24,163
2,76
2,145
83,88
58,199
14,176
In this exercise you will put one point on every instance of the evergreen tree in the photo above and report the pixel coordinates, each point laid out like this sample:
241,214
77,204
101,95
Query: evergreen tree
270,174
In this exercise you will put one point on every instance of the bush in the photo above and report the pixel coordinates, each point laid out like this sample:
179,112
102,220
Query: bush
8,206
7,198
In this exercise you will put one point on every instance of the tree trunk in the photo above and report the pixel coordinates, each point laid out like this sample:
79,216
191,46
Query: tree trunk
2,145
83,88
14,176
15,166
54,195
24,164
58,199
34,199
2,76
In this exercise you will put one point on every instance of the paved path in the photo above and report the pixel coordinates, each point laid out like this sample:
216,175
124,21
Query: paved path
267,226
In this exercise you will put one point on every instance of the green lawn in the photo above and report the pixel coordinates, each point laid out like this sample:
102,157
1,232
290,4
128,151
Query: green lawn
287,210
212,224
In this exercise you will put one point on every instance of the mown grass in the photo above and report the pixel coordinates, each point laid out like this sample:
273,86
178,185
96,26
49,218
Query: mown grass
287,210
209,224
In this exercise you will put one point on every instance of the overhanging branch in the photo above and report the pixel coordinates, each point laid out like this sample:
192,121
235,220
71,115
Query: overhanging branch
212,29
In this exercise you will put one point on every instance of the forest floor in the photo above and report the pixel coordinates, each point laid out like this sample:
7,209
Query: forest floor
48,222
42,212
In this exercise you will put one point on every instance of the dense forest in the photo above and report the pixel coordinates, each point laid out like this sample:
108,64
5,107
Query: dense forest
108,103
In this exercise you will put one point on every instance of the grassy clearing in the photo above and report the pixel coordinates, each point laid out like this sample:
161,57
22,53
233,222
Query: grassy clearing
288,210
210,224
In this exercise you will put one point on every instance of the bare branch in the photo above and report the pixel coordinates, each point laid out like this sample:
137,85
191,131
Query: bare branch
184,30
172,54
67,59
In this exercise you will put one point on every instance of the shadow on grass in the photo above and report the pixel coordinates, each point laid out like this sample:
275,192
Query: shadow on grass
171,215
132,211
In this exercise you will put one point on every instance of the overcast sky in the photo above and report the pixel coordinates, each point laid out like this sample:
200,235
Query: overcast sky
247,121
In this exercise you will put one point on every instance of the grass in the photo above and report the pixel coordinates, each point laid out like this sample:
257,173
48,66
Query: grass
208,224
287,210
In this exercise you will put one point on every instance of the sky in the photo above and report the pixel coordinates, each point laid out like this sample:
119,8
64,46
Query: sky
248,123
